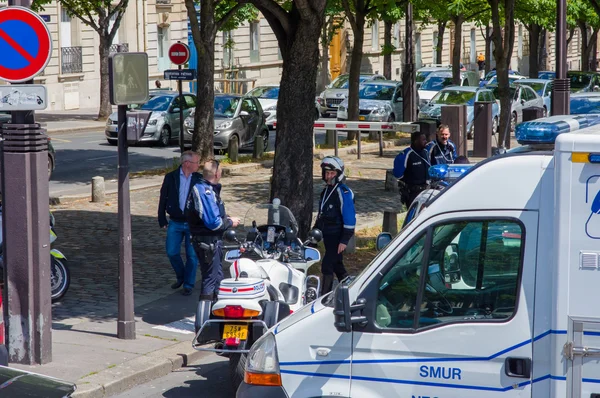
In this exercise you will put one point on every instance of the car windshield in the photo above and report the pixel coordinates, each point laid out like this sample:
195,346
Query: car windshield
159,103
579,80
546,75
496,92
265,92
583,105
421,76
225,107
344,80
436,83
454,97
538,87
376,92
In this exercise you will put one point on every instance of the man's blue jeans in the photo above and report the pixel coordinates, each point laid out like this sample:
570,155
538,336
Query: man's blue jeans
177,232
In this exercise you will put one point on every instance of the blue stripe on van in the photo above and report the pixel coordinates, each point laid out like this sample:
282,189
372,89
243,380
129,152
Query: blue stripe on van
411,360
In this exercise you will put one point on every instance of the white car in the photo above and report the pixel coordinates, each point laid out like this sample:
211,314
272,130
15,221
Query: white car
267,96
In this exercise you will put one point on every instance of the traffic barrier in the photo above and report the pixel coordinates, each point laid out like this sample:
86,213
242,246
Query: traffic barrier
380,127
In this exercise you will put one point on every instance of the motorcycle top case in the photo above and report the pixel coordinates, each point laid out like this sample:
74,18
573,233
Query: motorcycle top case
243,288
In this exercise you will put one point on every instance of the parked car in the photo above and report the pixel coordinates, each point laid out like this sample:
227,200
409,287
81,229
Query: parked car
543,87
442,79
51,157
492,73
511,80
422,73
584,103
238,122
21,383
584,81
267,96
461,95
164,119
546,74
337,91
521,97
379,101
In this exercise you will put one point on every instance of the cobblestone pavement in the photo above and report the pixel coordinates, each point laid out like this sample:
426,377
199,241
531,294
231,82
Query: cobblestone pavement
88,236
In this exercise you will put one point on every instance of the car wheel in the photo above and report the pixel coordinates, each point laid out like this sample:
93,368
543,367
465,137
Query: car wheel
265,139
50,166
112,142
545,112
233,146
513,121
165,136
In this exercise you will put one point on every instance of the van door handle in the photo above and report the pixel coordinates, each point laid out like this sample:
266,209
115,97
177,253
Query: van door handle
518,367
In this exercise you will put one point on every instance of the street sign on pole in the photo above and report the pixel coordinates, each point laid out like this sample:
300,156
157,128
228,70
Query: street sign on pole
180,74
25,44
179,53
23,97
128,76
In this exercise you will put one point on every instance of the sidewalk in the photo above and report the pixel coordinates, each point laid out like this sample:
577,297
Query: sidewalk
70,121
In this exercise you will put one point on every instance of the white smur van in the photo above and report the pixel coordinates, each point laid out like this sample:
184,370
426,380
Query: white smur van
492,291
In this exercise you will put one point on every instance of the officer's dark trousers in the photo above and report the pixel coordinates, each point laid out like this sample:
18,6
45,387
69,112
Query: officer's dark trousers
211,269
333,263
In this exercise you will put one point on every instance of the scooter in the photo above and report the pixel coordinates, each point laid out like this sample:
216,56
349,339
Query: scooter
269,280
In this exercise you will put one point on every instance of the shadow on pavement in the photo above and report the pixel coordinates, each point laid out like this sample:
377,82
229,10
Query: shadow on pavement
209,380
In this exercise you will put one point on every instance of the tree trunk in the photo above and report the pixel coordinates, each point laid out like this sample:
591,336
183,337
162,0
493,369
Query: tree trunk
324,73
488,50
543,51
387,45
594,59
534,45
458,21
105,106
293,167
204,41
441,25
587,45
355,64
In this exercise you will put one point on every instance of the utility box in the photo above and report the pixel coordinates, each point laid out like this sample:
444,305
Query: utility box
455,116
136,125
482,131
532,113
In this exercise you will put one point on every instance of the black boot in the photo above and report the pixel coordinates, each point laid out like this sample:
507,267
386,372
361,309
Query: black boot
327,284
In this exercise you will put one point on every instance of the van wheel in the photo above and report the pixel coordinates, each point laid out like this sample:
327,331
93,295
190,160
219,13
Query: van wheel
237,367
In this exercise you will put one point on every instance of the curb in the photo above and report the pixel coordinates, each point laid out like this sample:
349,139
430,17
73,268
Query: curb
56,130
137,371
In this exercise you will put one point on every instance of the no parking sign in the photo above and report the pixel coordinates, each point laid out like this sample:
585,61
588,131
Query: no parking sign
25,44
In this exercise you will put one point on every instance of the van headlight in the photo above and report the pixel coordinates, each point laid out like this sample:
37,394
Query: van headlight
262,366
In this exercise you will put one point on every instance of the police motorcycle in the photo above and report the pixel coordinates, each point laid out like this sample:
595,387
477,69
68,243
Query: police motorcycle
269,280
60,276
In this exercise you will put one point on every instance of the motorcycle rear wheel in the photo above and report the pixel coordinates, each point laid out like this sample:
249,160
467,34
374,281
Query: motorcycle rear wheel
237,367
60,278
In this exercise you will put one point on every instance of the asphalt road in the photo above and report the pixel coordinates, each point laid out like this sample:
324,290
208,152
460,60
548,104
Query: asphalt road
80,156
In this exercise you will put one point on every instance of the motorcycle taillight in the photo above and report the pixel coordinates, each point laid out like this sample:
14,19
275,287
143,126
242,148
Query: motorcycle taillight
233,311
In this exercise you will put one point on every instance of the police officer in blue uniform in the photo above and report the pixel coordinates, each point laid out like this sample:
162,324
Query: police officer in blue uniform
208,221
336,219
442,150
411,167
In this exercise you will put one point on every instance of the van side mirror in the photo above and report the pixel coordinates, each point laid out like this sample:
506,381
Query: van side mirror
342,310
383,239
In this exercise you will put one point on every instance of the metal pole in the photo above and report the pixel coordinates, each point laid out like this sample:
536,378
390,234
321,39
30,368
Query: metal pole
408,72
335,142
381,143
358,146
179,84
126,321
560,87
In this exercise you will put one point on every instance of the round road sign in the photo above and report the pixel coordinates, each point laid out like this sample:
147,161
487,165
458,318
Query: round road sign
179,53
25,44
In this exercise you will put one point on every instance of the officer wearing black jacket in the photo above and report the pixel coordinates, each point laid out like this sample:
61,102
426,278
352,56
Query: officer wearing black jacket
336,219
411,167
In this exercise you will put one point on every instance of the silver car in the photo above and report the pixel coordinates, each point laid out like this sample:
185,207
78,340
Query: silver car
521,97
337,91
543,87
164,118
379,101
238,122
267,96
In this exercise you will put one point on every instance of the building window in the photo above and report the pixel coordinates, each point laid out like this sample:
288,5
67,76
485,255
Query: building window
375,36
163,48
65,29
255,41
473,59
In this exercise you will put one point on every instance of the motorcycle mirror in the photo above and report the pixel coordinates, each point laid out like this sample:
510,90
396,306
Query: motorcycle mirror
229,236
315,235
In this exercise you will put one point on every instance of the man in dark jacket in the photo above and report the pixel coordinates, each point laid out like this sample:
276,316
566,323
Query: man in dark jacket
411,167
174,193
441,150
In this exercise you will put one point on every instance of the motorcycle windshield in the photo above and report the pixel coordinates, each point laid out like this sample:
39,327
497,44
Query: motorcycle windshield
270,214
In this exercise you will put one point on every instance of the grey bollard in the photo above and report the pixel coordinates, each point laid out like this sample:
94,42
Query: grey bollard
390,222
482,136
455,116
258,148
98,191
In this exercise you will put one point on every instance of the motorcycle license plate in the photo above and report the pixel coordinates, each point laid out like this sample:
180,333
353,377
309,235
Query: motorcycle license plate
239,331
361,118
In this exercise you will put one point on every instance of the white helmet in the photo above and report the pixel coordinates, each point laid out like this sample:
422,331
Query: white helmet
333,163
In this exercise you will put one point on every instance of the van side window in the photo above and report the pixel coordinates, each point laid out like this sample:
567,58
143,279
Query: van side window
473,272
398,289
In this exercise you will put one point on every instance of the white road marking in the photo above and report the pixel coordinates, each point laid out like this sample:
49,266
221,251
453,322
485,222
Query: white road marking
185,326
